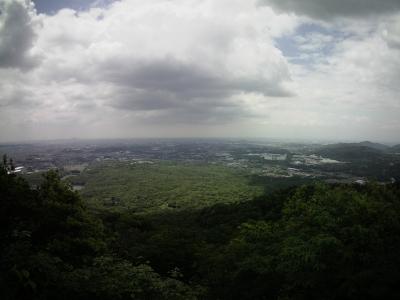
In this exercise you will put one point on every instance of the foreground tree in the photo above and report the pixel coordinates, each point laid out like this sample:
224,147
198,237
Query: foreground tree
331,243
52,248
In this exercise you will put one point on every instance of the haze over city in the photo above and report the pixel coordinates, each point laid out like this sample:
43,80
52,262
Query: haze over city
308,69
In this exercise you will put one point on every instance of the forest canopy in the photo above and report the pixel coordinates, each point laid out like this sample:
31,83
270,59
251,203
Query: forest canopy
311,242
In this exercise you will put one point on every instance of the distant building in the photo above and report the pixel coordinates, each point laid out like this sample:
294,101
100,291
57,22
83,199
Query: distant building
360,181
270,156
16,170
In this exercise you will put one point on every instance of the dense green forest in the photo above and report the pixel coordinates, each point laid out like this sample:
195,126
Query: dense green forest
311,242
162,185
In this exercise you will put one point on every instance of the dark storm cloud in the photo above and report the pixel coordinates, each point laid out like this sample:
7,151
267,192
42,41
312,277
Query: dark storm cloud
168,91
169,83
169,75
52,6
328,9
160,107
203,112
145,100
16,36
134,99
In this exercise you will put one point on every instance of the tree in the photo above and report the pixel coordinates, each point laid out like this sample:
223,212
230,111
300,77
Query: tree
331,243
53,248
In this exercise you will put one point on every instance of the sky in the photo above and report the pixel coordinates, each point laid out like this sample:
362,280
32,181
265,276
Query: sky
290,69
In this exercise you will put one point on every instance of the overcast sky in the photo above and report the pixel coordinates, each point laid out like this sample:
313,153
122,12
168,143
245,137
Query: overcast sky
304,69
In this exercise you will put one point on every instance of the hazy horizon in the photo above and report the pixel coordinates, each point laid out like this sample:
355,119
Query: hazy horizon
191,138
310,70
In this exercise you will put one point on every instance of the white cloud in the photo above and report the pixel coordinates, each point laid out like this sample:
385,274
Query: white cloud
185,67
179,61
353,91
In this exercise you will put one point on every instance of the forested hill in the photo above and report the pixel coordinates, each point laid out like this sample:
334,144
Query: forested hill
311,242
351,151
376,146
357,151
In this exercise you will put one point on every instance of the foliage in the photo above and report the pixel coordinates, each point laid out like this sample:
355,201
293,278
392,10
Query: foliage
164,186
52,248
363,161
330,243
311,242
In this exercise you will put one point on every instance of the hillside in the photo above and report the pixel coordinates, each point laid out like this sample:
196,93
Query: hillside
312,242
376,146
351,151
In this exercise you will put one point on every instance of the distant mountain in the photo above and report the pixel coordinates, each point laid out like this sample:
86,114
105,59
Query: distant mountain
372,145
353,151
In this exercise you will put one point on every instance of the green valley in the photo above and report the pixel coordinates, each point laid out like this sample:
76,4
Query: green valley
152,186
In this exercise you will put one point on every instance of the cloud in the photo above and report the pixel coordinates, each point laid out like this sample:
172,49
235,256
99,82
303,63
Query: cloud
175,67
169,58
16,34
353,91
391,33
165,82
16,96
130,63
329,9
52,6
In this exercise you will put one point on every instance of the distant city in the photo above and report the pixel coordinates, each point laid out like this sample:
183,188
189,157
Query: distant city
341,163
